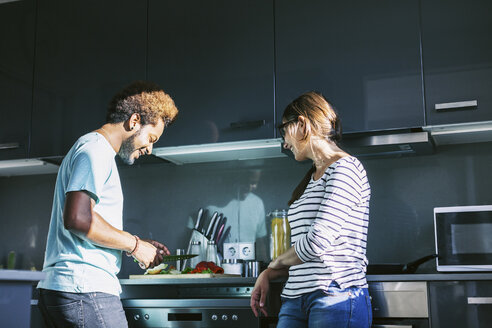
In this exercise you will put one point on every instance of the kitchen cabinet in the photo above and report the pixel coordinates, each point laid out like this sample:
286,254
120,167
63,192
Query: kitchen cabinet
17,31
457,60
215,58
363,56
458,304
16,288
86,51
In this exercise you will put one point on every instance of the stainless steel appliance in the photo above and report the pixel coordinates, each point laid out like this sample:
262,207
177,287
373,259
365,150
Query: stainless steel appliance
189,313
462,236
399,304
188,304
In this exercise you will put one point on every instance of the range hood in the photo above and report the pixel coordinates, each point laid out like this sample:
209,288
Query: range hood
26,167
376,144
383,144
394,143
223,151
461,133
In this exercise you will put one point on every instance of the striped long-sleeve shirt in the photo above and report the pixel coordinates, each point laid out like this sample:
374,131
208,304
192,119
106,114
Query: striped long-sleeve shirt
329,230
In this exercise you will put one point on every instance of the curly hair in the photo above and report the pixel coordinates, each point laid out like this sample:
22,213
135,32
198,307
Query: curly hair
144,98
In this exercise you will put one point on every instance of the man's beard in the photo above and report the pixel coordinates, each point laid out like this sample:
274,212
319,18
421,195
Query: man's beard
127,148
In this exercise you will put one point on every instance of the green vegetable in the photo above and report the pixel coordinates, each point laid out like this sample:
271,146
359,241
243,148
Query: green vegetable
187,269
207,271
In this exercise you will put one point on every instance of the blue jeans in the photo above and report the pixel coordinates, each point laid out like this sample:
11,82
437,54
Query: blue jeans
62,309
335,308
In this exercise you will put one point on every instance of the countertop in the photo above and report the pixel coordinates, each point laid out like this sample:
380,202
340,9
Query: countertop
251,281
21,275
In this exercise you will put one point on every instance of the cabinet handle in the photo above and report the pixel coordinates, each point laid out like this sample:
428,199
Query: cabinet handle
479,300
456,105
248,124
11,145
392,326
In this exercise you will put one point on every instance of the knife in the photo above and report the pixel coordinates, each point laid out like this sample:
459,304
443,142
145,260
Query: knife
211,225
169,258
219,234
172,258
221,223
214,231
198,219
222,238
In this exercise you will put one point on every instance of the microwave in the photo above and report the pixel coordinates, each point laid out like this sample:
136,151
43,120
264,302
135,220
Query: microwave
463,237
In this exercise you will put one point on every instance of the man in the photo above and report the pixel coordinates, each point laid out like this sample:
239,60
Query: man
85,238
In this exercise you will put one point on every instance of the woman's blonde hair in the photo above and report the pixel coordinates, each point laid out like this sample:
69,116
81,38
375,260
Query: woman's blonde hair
323,122
321,115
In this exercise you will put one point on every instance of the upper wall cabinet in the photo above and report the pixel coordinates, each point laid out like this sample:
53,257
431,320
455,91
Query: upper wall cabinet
364,56
86,51
215,58
457,56
16,65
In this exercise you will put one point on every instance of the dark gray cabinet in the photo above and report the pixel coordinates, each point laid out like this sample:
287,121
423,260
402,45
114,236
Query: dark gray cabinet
457,58
215,58
17,32
86,51
458,304
364,56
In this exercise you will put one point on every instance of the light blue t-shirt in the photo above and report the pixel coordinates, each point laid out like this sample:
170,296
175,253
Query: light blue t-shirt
72,263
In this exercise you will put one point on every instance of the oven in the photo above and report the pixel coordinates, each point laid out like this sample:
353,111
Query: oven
188,304
189,313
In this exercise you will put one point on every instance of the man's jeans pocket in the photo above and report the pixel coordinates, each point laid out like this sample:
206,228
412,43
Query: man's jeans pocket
67,315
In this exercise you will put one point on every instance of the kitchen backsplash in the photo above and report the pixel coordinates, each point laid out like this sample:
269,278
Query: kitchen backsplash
162,200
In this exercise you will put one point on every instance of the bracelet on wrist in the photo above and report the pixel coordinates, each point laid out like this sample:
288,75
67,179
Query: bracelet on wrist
135,248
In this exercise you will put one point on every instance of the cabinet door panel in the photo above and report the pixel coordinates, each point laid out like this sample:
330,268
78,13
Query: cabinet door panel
16,65
85,52
457,57
215,58
363,56
458,304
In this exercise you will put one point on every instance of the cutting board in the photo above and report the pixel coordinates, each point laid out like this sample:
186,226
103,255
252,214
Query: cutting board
184,276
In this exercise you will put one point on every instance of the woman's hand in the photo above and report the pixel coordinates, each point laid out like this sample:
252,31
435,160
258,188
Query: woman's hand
286,260
259,293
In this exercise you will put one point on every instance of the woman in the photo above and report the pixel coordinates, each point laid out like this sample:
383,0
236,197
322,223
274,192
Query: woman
328,216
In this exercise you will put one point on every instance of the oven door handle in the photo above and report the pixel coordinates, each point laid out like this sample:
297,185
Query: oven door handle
392,326
479,300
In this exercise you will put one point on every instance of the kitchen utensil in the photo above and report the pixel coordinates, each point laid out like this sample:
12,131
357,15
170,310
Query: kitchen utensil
232,266
215,228
179,263
183,276
280,237
196,248
172,258
211,225
221,222
251,268
219,234
198,219
195,233
393,268
224,236
212,252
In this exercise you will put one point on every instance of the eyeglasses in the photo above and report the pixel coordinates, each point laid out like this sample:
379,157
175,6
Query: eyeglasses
281,127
